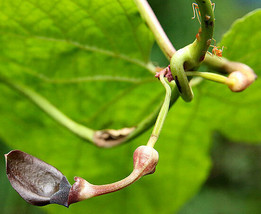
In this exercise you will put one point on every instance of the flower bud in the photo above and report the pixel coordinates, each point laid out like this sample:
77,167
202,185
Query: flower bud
36,181
145,159
238,81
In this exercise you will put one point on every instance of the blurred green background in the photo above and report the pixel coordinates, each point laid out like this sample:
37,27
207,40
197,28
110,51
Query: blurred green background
234,183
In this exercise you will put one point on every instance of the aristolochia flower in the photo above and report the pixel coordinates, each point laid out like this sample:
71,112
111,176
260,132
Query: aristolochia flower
40,183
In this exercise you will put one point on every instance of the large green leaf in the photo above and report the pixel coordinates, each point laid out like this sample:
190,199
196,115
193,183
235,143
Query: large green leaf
46,43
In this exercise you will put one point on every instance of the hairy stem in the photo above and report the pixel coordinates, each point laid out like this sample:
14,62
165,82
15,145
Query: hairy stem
153,23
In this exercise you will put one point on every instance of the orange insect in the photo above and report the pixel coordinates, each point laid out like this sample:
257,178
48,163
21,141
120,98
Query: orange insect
196,11
216,50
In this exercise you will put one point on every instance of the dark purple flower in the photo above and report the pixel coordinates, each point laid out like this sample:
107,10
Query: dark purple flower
36,181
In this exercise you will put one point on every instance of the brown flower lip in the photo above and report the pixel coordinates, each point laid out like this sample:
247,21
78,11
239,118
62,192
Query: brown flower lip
35,181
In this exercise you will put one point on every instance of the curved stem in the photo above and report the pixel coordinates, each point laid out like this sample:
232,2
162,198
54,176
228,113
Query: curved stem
191,56
82,190
162,114
153,23
145,160
82,131
177,67
108,188
146,123
78,129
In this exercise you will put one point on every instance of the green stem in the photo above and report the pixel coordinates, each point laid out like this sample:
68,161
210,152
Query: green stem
201,44
146,123
153,23
162,114
177,65
78,129
81,131
207,75
192,55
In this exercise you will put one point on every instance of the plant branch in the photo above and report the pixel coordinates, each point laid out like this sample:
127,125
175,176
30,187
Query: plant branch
78,129
192,55
153,23
101,138
209,76
203,39
147,123
162,114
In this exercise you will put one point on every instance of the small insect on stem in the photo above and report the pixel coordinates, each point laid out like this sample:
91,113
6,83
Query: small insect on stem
196,11
217,51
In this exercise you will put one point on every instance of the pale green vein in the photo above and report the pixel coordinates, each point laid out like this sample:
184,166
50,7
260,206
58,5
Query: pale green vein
148,66
96,78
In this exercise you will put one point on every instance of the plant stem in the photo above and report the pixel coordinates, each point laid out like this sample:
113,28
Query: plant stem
207,75
201,44
147,123
82,190
78,129
108,188
162,114
153,23
192,55
177,65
